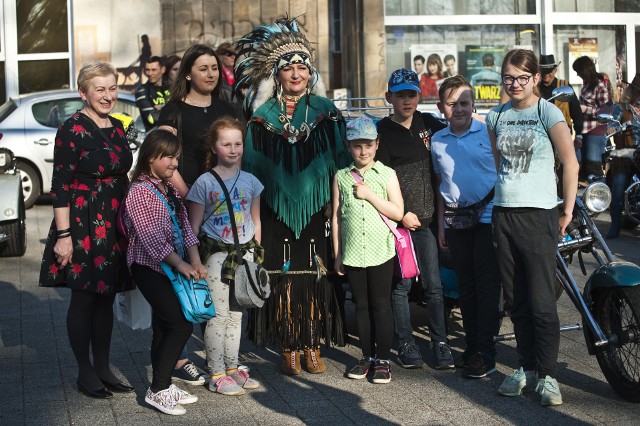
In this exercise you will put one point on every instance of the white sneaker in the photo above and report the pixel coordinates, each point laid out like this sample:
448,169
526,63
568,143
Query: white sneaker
166,401
520,381
184,397
549,391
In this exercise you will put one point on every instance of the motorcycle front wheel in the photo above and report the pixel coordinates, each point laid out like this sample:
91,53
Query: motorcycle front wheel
617,310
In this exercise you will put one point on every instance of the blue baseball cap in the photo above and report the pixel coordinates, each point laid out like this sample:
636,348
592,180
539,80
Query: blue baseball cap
404,79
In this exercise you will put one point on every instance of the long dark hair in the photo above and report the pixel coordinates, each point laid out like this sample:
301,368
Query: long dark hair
157,144
181,86
585,66
213,133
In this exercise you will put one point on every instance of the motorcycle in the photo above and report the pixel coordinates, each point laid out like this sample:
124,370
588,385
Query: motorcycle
610,302
13,233
631,211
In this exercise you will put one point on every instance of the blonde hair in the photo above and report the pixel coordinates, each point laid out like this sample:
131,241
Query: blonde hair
91,70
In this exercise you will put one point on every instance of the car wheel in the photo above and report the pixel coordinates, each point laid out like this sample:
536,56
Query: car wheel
30,184
16,245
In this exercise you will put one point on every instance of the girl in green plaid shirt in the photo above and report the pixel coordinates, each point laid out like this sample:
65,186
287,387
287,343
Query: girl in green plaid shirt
364,246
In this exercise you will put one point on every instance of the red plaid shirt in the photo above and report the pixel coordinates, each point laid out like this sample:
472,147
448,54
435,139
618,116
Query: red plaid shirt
149,225
594,99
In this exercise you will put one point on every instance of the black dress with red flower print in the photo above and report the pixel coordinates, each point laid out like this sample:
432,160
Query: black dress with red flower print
89,177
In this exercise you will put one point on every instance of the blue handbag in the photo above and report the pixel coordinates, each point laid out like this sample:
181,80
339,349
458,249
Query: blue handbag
194,295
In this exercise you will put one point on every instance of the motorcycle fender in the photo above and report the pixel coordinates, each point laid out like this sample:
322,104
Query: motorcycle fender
614,274
10,194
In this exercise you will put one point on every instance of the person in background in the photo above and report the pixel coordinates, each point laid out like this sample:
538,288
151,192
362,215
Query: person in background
152,95
150,231
356,223
172,66
526,220
593,96
405,146
194,105
91,159
209,217
465,176
622,167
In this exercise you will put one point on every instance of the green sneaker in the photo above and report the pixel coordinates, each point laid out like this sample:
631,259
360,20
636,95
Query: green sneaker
520,381
549,391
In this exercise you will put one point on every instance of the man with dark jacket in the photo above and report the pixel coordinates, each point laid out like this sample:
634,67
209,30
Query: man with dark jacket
405,139
152,95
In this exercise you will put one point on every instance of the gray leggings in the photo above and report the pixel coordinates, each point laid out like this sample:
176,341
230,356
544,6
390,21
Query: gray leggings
222,334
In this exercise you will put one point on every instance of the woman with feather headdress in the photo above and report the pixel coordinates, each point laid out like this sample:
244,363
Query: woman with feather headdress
295,144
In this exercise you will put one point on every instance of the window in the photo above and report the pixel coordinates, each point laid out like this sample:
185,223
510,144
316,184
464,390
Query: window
604,44
54,113
42,26
43,75
460,7
476,52
630,6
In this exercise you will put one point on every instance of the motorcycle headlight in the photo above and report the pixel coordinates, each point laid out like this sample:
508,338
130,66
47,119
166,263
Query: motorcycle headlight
596,197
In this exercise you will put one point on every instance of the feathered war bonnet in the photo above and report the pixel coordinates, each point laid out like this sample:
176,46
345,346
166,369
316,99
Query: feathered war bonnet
262,53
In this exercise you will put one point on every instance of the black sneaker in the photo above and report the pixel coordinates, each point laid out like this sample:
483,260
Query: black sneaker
479,366
409,356
189,374
382,372
360,370
463,360
442,354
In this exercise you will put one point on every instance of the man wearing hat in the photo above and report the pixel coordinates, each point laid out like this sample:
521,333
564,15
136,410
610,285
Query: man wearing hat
571,110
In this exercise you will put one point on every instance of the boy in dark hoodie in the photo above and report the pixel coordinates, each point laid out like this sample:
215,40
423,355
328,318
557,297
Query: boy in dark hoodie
405,146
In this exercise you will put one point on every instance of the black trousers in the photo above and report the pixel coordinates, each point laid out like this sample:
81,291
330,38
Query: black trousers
170,328
526,243
476,268
371,291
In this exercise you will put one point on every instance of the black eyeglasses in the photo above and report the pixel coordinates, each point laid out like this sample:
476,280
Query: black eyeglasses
522,80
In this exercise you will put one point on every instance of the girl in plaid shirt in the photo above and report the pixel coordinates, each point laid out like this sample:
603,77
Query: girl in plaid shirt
150,233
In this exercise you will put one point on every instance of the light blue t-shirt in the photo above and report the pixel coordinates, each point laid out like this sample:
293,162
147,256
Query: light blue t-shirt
526,177
216,222
465,165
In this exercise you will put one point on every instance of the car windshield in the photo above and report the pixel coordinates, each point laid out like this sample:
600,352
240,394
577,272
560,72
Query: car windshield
7,109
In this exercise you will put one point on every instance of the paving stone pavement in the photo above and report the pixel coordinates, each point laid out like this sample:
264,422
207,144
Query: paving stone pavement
38,371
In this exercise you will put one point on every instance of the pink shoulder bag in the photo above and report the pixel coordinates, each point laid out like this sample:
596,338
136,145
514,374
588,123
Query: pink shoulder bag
406,261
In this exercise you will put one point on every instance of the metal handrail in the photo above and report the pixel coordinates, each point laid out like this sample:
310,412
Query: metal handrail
356,107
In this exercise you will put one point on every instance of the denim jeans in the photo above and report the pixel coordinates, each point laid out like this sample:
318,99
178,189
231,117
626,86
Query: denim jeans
427,253
618,186
594,147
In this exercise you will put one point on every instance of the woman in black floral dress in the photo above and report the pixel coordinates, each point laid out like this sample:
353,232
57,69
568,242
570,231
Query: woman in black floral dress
91,161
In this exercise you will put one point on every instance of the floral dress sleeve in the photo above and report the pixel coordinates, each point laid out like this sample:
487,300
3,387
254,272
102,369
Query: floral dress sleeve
65,160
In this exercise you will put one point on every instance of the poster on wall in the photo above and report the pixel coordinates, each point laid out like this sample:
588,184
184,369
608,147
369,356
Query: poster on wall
483,71
433,63
581,46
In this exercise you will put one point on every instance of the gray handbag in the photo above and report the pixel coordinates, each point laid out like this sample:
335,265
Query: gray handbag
251,280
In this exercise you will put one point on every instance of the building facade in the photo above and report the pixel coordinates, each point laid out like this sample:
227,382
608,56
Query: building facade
358,42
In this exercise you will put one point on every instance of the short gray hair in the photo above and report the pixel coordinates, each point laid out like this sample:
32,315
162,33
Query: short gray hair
94,69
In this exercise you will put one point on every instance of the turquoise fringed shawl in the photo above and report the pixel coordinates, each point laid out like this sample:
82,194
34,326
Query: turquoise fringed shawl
296,177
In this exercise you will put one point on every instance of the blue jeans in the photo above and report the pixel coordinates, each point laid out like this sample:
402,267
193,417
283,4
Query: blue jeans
594,147
618,186
427,253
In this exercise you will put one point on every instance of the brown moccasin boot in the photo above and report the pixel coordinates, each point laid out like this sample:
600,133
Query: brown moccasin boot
291,363
314,363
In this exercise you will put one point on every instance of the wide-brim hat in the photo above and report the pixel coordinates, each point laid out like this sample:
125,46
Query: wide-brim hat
547,63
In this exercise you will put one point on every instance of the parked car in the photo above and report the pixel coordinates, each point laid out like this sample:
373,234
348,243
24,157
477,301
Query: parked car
13,231
28,125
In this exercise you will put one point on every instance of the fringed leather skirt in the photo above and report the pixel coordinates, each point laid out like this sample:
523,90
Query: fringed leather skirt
303,311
